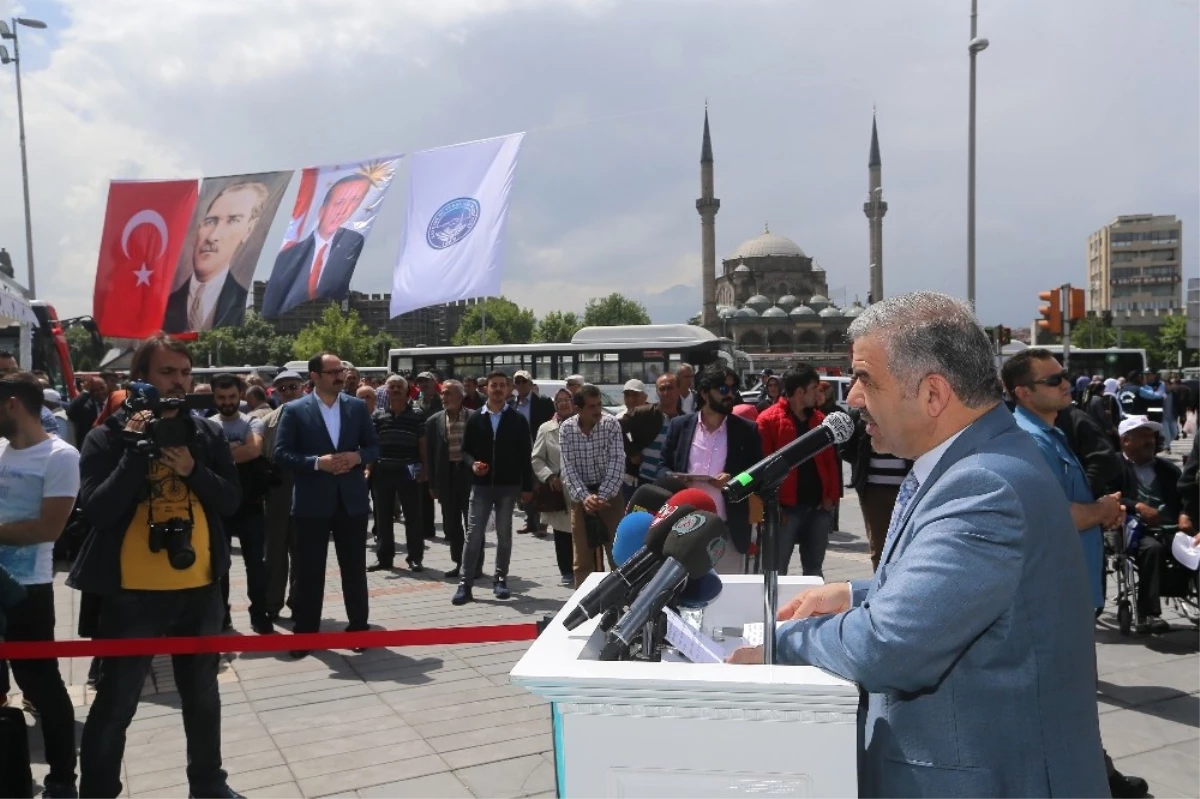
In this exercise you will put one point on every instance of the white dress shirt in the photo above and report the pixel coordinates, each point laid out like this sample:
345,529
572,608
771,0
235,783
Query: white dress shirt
318,243
924,465
208,300
332,415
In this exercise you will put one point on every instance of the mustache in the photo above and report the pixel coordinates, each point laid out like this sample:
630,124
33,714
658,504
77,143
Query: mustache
208,246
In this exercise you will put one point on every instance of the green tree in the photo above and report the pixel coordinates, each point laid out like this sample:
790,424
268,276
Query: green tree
343,333
83,357
381,342
505,323
557,327
254,343
1172,339
615,309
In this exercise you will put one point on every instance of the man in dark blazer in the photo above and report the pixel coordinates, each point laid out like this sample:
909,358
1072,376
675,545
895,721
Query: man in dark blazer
326,439
743,448
211,297
320,265
450,477
537,411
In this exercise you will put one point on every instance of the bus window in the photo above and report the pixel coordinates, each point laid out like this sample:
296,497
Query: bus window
468,366
542,369
610,372
590,368
566,366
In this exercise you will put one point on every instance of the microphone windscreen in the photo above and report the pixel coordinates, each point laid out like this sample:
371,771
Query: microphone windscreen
630,535
694,497
648,498
673,485
701,591
697,541
667,515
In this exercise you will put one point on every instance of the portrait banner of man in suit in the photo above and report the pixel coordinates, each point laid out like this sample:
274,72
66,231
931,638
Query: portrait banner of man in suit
225,238
335,208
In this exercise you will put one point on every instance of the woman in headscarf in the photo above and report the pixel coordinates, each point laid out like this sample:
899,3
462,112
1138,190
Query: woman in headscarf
547,468
771,390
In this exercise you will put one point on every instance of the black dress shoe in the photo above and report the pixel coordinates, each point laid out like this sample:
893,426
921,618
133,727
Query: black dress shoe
297,654
262,625
415,566
380,567
1123,787
350,628
453,574
224,793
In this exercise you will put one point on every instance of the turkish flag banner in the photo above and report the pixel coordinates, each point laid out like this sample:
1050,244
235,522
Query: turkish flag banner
145,225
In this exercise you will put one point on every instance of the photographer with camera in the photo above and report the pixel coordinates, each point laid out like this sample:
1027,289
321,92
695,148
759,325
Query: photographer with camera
39,477
155,483
249,525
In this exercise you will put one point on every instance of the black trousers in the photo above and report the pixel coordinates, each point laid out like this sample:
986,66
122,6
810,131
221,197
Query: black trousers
456,501
1150,555
153,614
564,552
310,551
390,485
32,619
250,529
427,528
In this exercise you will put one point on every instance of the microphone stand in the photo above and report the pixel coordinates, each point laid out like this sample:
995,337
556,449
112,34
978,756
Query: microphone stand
769,555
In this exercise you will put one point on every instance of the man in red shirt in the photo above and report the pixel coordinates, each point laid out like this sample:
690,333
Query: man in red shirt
809,494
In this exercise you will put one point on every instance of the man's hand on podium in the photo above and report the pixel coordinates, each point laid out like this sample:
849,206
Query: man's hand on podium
824,600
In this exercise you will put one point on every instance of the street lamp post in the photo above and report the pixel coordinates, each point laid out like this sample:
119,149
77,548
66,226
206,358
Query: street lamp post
7,33
974,48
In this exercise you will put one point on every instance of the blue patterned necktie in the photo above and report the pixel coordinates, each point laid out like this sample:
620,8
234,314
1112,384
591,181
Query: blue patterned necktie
908,489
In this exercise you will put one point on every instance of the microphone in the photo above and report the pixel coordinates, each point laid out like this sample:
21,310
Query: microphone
648,498
701,591
631,535
694,545
694,497
837,428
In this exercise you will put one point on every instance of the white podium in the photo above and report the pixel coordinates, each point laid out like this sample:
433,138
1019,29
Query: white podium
678,729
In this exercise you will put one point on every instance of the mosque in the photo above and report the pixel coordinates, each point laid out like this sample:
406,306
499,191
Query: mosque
771,298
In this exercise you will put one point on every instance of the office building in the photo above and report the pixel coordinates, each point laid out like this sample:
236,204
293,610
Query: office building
1135,270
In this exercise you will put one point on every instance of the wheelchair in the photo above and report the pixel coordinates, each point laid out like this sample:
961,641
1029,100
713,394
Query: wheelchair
1179,587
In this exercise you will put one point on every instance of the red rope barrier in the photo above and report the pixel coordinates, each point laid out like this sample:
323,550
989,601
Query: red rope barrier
373,639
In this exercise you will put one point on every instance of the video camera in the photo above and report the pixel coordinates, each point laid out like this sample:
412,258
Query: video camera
160,432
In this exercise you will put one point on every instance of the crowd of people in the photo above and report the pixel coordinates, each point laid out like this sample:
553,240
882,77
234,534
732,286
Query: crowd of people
146,498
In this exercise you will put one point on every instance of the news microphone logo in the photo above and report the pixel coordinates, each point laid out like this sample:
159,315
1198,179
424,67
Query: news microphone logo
687,524
716,550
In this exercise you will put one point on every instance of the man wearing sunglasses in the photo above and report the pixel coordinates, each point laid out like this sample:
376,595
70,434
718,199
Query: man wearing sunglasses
289,386
1040,387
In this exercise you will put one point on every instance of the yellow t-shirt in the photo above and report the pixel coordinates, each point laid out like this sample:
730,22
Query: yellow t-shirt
143,570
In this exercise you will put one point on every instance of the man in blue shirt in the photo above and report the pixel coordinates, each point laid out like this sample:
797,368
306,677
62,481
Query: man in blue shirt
1040,387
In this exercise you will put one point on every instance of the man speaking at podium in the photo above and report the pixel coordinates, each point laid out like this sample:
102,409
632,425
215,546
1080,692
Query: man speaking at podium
973,642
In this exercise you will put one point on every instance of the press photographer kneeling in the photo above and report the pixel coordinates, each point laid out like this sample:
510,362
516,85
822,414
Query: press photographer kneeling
155,481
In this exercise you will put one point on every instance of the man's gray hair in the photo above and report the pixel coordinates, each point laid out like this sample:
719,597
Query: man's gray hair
926,333
462,390
397,379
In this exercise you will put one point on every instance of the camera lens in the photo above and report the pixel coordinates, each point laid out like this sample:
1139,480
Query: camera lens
182,558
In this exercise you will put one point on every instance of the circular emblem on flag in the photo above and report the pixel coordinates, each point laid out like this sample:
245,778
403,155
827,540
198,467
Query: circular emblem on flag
452,222
716,550
687,524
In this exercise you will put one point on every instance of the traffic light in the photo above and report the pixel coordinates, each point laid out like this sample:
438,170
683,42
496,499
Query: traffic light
1075,310
1052,317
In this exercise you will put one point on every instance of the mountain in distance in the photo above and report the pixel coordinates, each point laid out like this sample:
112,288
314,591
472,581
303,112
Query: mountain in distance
674,305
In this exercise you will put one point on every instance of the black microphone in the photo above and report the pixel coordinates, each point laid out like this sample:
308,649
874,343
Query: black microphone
649,498
695,544
618,584
837,428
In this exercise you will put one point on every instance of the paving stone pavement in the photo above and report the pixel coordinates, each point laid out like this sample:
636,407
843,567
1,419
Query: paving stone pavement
445,722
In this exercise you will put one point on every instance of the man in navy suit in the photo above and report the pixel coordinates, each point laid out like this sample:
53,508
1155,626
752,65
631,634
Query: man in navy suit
973,643
212,297
320,265
326,439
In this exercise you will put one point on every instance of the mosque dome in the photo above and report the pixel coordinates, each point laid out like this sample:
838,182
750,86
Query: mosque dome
767,243
803,310
830,312
787,302
775,312
819,302
742,268
759,303
725,312
745,313
853,311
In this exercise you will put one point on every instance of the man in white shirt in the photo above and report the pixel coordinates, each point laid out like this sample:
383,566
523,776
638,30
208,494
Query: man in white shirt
210,298
39,478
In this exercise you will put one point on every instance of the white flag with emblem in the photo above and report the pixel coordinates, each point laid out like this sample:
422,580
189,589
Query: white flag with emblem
457,208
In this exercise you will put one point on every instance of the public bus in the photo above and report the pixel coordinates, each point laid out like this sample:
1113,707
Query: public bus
604,356
48,350
1108,362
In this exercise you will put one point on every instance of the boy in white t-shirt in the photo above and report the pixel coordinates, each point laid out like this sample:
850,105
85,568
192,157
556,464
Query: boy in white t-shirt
39,479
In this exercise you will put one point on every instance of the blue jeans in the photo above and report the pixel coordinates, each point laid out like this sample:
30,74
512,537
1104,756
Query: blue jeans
485,499
809,526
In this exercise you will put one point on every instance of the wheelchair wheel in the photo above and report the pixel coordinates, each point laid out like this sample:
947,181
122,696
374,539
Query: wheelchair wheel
1124,616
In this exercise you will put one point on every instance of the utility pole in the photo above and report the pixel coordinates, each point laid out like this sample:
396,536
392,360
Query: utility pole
1066,325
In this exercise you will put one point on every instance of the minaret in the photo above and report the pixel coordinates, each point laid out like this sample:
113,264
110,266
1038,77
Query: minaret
707,206
875,208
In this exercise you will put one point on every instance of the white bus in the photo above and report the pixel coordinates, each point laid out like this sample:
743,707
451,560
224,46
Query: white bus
605,356
1108,362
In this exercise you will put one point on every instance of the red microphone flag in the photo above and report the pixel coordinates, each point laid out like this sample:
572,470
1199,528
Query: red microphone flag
145,225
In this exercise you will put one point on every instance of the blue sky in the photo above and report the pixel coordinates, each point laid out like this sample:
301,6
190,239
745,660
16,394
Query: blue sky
1088,109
